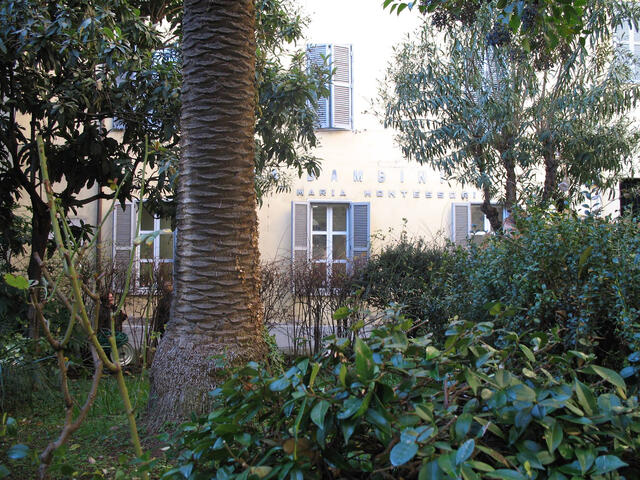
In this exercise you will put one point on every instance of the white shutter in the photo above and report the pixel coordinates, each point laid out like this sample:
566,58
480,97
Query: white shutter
317,55
460,223
299,232
123,228
360,229
341,87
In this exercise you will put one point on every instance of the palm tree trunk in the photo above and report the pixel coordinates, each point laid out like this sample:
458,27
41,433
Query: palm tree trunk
216,308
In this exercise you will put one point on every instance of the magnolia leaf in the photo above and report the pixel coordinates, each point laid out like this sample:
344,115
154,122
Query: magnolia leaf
465,451
430,471
364,360
610,376
318,413
505,474
402,452
608,463
553,436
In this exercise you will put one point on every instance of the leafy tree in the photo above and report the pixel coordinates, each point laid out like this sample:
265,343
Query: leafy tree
484,115
66,69
539,24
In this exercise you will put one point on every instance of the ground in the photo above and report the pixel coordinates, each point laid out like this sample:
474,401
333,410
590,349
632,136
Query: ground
100,449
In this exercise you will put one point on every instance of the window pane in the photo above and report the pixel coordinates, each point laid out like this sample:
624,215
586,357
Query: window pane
319,247
319,273
165,273
319,217
338,272
166,246
146,274
339,250
477,218
147,220
146,251
340,218
165,223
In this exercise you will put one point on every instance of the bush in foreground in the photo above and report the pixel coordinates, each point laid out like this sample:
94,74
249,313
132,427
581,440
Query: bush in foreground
396,407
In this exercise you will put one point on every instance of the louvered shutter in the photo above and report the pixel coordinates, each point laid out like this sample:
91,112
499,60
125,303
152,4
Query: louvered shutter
317,55
460,223
341,87
360,228
299,232
122,234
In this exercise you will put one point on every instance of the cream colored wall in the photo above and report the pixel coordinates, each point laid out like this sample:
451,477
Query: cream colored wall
389,182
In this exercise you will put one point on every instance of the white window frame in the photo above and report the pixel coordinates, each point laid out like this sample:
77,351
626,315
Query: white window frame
329,233
470,232
156,260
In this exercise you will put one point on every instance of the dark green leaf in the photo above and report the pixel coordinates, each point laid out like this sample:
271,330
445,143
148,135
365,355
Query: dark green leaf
318,412
608,463
364,360
430,471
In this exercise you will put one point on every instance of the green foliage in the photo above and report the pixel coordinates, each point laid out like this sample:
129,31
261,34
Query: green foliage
26,367
539,24
485,116
416,276
396,407
275,359
579,273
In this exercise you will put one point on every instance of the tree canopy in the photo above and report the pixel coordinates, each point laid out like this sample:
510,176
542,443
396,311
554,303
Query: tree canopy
485,115
67,69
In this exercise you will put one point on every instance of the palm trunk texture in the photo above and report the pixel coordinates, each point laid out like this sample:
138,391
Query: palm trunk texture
216,309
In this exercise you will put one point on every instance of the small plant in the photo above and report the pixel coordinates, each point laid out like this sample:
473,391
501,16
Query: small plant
391,406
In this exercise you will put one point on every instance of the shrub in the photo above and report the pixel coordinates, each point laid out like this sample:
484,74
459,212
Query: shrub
579,273
418,277
396,407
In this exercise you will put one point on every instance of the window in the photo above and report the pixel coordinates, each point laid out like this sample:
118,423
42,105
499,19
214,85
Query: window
629,38
336,111
332,236
154,257
468,222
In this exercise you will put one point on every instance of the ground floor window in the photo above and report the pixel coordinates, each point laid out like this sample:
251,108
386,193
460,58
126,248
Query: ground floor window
469,222
153,260
332,236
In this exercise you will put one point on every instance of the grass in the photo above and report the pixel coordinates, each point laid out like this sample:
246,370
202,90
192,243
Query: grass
99,449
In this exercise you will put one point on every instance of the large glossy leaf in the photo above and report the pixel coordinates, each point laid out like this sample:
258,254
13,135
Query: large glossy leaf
465,451
318,412
402,452
364,360
430,471
553,436
608,463
504,474
610,376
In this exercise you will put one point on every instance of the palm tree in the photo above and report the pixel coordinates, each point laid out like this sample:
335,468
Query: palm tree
216,307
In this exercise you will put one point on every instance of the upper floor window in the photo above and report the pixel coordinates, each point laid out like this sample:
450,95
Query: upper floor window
335,111
629,38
